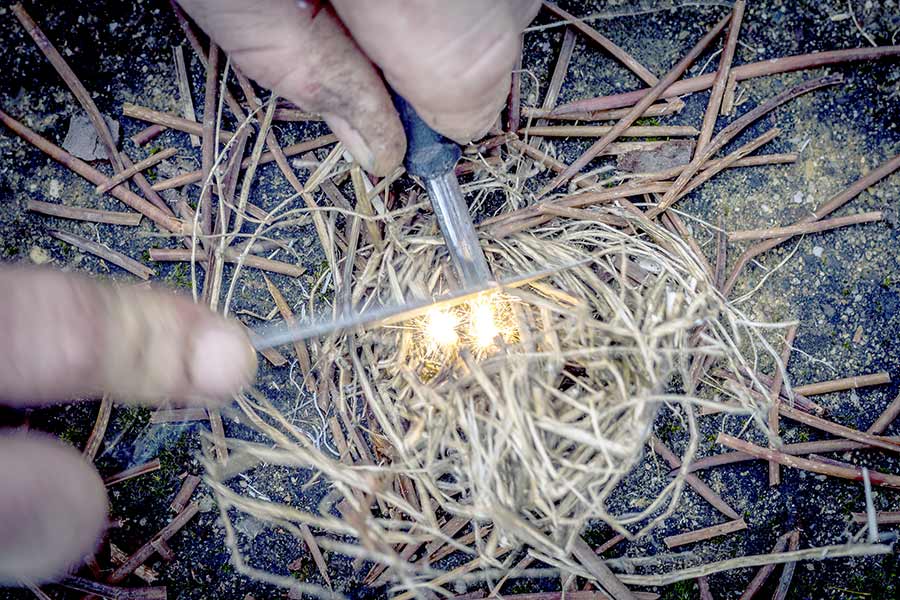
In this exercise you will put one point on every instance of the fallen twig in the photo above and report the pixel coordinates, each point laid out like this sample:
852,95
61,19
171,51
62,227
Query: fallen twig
184,90
763,574
133,472
300,348
316,553
111,592
147,134
169,120
178,415
231,256
784,582
705,592
845,432
881,518
673,541
886,418
655,110
136,168
116,258
596,567
99,430
724,70
803,228
183,497
77,213
117,556
775,398
601,130
846,383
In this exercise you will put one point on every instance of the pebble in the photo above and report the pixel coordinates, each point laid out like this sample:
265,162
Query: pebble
818,251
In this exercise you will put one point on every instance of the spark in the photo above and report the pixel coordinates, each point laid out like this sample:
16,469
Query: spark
483,324
440,328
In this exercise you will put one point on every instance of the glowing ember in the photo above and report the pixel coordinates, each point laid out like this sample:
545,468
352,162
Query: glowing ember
440,328
483,323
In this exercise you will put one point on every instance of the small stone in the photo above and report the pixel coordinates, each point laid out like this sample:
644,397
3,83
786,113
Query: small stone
818,251
39,256
797,198
82,140
55,188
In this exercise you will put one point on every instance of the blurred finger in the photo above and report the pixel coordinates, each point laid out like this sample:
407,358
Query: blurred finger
53,508
67,337
451,60
306,56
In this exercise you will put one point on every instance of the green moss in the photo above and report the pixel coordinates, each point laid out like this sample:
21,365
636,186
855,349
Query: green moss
683,590
9,251
180,276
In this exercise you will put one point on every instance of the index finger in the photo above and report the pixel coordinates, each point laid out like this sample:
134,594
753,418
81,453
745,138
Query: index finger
67,337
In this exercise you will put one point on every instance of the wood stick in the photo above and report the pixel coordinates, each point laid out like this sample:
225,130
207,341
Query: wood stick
598,569
265,157
837,201
784,582
208,140
147,134
761,68
300,348
183,497
713,166
692,480
705,593
111,592
147,550
639,108
583,215
611,542
854,474
116,258
270,354
601,130
803,228
846,383
673,541
161,218
797,399
184,90
72,82
881,518
38,592
131,473
99,430
231,256
721,256
673,105
295,115
136,168
721,79
839,430
886,418
734,128
218,433
774,398
763,573
315,552
169,120
77,213
178,415
145,186
514,103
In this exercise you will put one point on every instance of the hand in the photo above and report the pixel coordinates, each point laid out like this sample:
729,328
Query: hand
451,59
66,337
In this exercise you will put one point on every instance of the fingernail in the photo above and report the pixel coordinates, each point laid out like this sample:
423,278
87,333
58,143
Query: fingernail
354,142
223,361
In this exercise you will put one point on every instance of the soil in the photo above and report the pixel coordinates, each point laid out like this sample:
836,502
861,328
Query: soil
843,286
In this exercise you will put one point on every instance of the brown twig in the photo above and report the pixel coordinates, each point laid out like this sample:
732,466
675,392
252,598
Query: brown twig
583,215
38,592
184,90
705,593
611,542
295,115
838,430
116,258
208,139
803,228
136,168
270,354
775,398
718,87
692,480
161,218
601,130
655,110
721,256
762,68
673,541
183,497
316,553
734,128
881,518
218,434
117,556
837,201
131,473
854,474
300,348
639,108
713,166
763,574
596,567
886,418
77,213
178,415
169,120
147,550
514,102
99,430
231,256
147,134
846,383
111,592
784,582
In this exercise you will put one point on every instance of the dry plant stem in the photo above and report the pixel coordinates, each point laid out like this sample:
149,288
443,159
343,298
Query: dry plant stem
692,480
117,556
764,572
583,215
111,592
300,348
250,173
164,220
610,543
705,593
601,130
639,108
714,166
886,418
99,430
276,358
183,497
800,229
116,258
73,83
677,226
145,186
721,79
673,541
881,518
184,90
77,213
656,110
596,567
218,434
136,168
147,134
514,103
208,139
721,256
846,383
839,430
147,550
178,415
784,582
774,398
734,128
169,120
364,206
295,115
38,593
133,472
316,553
749,71
823,211
855,474
231,256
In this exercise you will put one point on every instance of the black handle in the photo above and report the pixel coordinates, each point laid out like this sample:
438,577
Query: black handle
428,153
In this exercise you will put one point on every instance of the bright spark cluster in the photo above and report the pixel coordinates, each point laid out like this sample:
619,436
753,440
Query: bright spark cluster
480,325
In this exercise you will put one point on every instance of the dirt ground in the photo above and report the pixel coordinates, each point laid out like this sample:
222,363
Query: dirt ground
843,286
